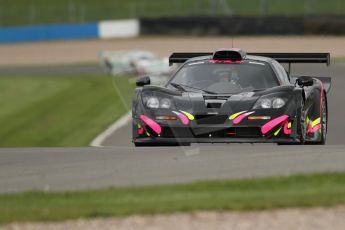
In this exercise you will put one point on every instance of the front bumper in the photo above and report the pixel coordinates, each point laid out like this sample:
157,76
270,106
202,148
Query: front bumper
247,132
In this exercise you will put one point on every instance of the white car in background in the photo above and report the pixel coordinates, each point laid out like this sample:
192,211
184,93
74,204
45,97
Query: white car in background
135,62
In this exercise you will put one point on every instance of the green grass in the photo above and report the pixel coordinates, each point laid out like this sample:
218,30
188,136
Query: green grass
253,194
22,12
59,110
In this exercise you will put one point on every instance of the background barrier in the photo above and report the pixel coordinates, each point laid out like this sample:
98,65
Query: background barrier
105,29
119,29
272,25
49,32
193,26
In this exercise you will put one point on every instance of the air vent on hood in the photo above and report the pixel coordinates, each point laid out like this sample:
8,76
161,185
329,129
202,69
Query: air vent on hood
214,105
218,97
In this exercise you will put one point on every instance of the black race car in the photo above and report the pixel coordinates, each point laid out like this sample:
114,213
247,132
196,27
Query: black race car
230,96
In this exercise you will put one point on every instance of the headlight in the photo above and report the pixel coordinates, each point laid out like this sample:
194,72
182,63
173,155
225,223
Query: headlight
152,102
155,102
278,103
265,103
165,103
268,103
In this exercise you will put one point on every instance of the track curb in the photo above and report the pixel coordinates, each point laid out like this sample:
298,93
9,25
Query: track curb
97,142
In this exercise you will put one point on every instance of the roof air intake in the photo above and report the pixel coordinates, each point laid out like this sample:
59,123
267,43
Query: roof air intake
229,54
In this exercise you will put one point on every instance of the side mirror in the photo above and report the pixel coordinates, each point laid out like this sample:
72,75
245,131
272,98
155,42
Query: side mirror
141,81
305,81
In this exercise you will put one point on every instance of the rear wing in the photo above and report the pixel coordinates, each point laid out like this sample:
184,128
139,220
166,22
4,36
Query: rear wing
183,57
280,57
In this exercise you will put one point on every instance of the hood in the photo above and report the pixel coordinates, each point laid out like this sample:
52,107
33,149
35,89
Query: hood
201,103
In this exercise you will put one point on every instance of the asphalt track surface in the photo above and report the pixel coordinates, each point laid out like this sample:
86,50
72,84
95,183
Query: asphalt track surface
120,164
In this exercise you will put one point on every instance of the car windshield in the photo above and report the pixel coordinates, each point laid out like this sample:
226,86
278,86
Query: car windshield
224,78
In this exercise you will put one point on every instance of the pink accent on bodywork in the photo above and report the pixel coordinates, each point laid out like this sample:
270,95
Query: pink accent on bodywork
184,119
239,118
287,131
312,129
273,123
151,123
140,131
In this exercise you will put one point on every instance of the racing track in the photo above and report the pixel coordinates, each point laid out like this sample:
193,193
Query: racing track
120,164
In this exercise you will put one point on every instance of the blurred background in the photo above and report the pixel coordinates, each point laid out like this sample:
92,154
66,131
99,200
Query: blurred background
31,12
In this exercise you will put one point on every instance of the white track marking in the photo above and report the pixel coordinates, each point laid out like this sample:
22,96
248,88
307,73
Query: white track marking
97,142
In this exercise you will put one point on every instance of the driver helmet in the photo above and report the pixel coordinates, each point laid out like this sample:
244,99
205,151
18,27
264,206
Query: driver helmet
223,75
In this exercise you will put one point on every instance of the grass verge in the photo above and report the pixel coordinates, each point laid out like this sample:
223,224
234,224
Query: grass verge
60,110
252,194
19,12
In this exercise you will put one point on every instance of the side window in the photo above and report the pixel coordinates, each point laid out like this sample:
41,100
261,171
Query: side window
282,75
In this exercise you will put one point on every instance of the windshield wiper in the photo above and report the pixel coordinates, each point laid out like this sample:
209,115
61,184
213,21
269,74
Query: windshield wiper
257,90
204,90
177,86
181,86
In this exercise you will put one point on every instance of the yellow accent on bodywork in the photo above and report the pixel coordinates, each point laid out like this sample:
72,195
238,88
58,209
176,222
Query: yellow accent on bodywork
189,115
233,116
277,132
315,122
289,125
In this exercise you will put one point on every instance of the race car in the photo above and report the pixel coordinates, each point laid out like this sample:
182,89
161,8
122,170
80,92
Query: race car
230,96
133,62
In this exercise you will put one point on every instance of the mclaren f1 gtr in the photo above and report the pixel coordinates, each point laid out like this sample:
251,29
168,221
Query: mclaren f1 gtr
232,96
